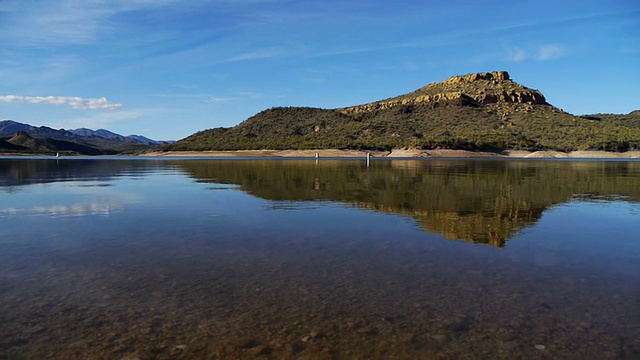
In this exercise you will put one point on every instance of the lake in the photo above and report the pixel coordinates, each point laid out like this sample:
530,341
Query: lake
125,258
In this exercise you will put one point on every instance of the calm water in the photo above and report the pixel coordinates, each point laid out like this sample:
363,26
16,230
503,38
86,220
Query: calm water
293,259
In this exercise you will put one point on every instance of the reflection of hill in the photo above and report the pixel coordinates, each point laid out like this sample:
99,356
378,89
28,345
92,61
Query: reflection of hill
480,201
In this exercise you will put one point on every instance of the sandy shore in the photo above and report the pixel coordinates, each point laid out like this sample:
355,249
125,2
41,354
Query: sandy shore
405,153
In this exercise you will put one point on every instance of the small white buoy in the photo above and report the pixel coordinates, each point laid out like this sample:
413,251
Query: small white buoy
317,155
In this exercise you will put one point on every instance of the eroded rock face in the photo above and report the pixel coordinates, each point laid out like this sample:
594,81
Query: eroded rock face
471,89
494,75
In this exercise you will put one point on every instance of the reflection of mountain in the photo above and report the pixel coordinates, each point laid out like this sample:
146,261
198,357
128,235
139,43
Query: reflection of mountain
480,201
15,172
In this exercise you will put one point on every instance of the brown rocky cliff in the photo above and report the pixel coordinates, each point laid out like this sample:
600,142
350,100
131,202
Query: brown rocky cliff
472,89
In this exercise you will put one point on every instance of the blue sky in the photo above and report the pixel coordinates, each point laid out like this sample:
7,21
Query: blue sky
168,68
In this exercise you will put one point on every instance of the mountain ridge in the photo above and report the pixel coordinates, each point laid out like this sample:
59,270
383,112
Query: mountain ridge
87,141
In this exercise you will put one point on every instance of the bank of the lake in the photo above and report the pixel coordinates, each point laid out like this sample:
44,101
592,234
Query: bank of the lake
413,153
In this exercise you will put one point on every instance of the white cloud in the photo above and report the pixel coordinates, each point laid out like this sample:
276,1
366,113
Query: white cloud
74,102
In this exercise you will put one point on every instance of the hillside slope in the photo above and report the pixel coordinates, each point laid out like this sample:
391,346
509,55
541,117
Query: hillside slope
484,111
631,119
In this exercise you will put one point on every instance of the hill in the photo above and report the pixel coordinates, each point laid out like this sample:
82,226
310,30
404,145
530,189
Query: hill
631,119
484,111
87,141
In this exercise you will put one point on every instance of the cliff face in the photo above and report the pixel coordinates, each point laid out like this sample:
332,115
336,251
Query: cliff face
472,89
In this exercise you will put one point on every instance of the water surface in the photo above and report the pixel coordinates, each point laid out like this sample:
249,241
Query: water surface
298,259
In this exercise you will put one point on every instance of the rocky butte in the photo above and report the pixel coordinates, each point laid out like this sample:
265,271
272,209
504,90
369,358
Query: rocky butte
476,112
479,89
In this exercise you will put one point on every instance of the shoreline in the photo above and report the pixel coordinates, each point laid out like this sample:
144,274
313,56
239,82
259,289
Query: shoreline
402,153
397,153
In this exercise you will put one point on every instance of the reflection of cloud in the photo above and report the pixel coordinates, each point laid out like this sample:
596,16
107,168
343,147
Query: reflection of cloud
74,102
73,199
64,210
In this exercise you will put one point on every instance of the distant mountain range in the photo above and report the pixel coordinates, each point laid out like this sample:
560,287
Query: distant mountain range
25,138
483,111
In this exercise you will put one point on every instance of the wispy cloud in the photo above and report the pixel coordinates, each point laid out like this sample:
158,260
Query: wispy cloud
63,23
102,120
518,55
237,96
66,22
254,55
548,52
198,97
628,49
538,53
208,98
74,102
219,100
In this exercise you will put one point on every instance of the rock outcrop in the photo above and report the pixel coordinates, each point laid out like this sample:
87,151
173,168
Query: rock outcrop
22,138
472,89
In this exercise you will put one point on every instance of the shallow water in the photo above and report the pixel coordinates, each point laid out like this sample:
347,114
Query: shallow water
298,259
